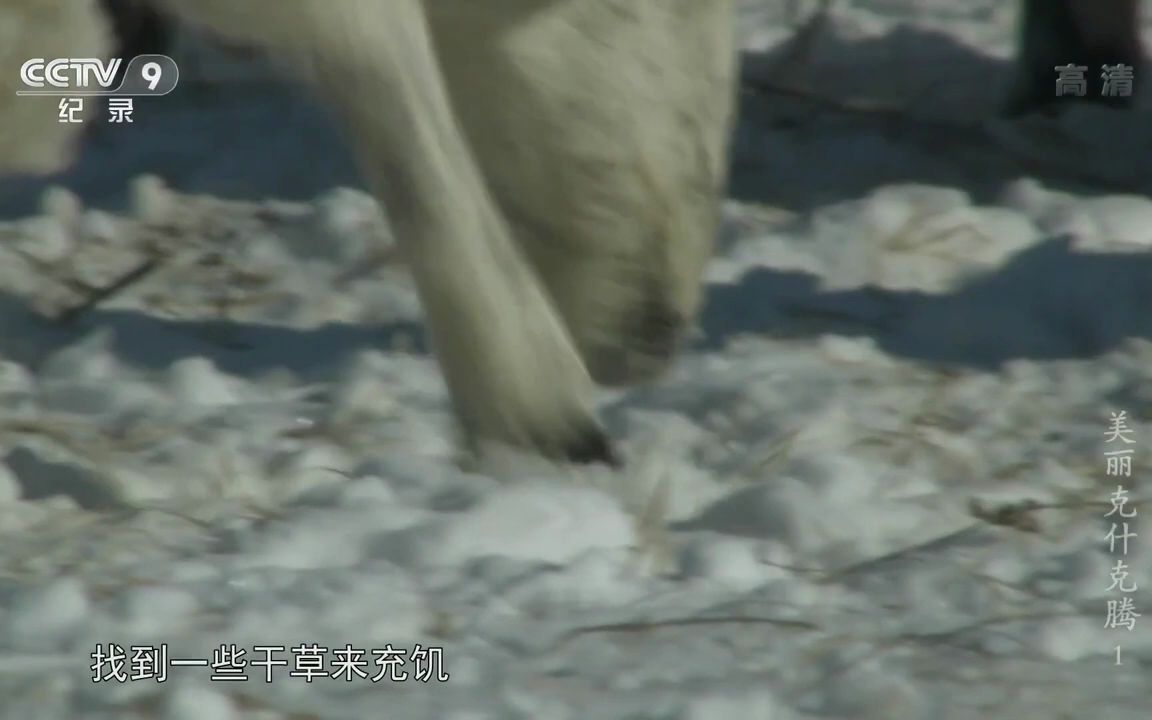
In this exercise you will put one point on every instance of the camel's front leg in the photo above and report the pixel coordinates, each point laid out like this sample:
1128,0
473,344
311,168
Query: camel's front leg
512,370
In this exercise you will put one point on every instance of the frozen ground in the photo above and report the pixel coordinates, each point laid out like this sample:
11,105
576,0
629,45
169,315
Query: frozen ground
873,489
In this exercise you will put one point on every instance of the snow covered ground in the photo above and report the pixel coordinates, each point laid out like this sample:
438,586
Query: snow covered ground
874,488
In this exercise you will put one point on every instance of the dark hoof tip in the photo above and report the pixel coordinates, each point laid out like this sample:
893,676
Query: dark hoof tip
591,447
